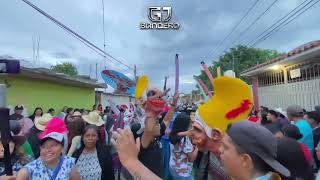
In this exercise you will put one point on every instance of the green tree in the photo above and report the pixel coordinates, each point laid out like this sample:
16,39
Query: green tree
66,68
243,58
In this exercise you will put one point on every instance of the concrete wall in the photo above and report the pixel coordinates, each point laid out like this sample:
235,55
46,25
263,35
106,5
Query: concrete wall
33,93
118,99
304,93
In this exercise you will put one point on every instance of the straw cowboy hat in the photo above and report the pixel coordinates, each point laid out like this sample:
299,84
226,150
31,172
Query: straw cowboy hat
93,118
41,122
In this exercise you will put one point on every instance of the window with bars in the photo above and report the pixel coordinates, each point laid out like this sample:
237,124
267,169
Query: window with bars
270,79
308,71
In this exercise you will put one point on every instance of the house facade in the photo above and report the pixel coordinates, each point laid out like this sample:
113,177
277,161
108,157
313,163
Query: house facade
293,78
39,87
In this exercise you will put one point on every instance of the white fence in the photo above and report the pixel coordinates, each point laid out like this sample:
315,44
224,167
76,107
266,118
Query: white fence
304,93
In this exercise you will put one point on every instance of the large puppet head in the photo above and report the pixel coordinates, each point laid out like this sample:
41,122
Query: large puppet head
151,99
232,102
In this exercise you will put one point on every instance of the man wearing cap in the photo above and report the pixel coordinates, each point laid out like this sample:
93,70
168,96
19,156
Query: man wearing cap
249,151
295,114
313,119
17,113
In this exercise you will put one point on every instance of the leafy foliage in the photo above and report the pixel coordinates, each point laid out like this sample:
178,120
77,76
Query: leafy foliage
243,58
66,68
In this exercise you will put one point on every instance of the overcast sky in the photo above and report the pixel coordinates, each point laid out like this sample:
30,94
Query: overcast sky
203,24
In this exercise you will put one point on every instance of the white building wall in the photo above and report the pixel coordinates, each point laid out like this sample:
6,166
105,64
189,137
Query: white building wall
118,99
304,93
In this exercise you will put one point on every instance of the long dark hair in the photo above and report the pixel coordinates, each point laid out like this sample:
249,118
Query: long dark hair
95,128
67,115
36,109
32,117
180,124
75,128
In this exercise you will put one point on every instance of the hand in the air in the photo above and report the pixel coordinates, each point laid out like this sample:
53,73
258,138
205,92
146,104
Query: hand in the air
127,148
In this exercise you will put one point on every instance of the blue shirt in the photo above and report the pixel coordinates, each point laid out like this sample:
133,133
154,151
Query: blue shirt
38,171
306,130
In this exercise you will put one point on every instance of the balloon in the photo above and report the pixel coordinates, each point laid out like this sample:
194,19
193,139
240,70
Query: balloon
118,81
142,85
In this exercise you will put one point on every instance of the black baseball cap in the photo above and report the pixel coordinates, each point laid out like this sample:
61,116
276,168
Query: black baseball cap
258,140
292,131
18,107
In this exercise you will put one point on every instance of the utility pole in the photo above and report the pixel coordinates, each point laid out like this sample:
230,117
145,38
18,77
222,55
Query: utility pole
90,71
165,83
96,71
233,62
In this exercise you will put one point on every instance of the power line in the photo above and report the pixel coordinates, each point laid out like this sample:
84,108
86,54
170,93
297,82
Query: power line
253,23
233,29
83,40
286,22
104,32
279,20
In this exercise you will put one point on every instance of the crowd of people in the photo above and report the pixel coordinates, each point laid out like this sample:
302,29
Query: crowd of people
136,141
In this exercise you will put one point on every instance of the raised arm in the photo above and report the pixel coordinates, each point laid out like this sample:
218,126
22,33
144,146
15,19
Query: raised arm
148,134
113,107
128,150
167,119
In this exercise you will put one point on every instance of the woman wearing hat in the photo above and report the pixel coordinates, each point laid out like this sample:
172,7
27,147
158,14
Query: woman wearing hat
51,164
94,118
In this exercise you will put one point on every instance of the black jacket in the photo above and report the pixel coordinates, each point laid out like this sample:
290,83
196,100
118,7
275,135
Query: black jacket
105,161
34,141
316,140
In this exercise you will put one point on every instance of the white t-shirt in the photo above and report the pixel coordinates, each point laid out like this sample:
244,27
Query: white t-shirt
179,157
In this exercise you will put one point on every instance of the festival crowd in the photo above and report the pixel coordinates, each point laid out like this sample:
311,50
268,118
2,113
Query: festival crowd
144,142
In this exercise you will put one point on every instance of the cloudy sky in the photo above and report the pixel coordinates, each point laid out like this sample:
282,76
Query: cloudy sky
203,25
